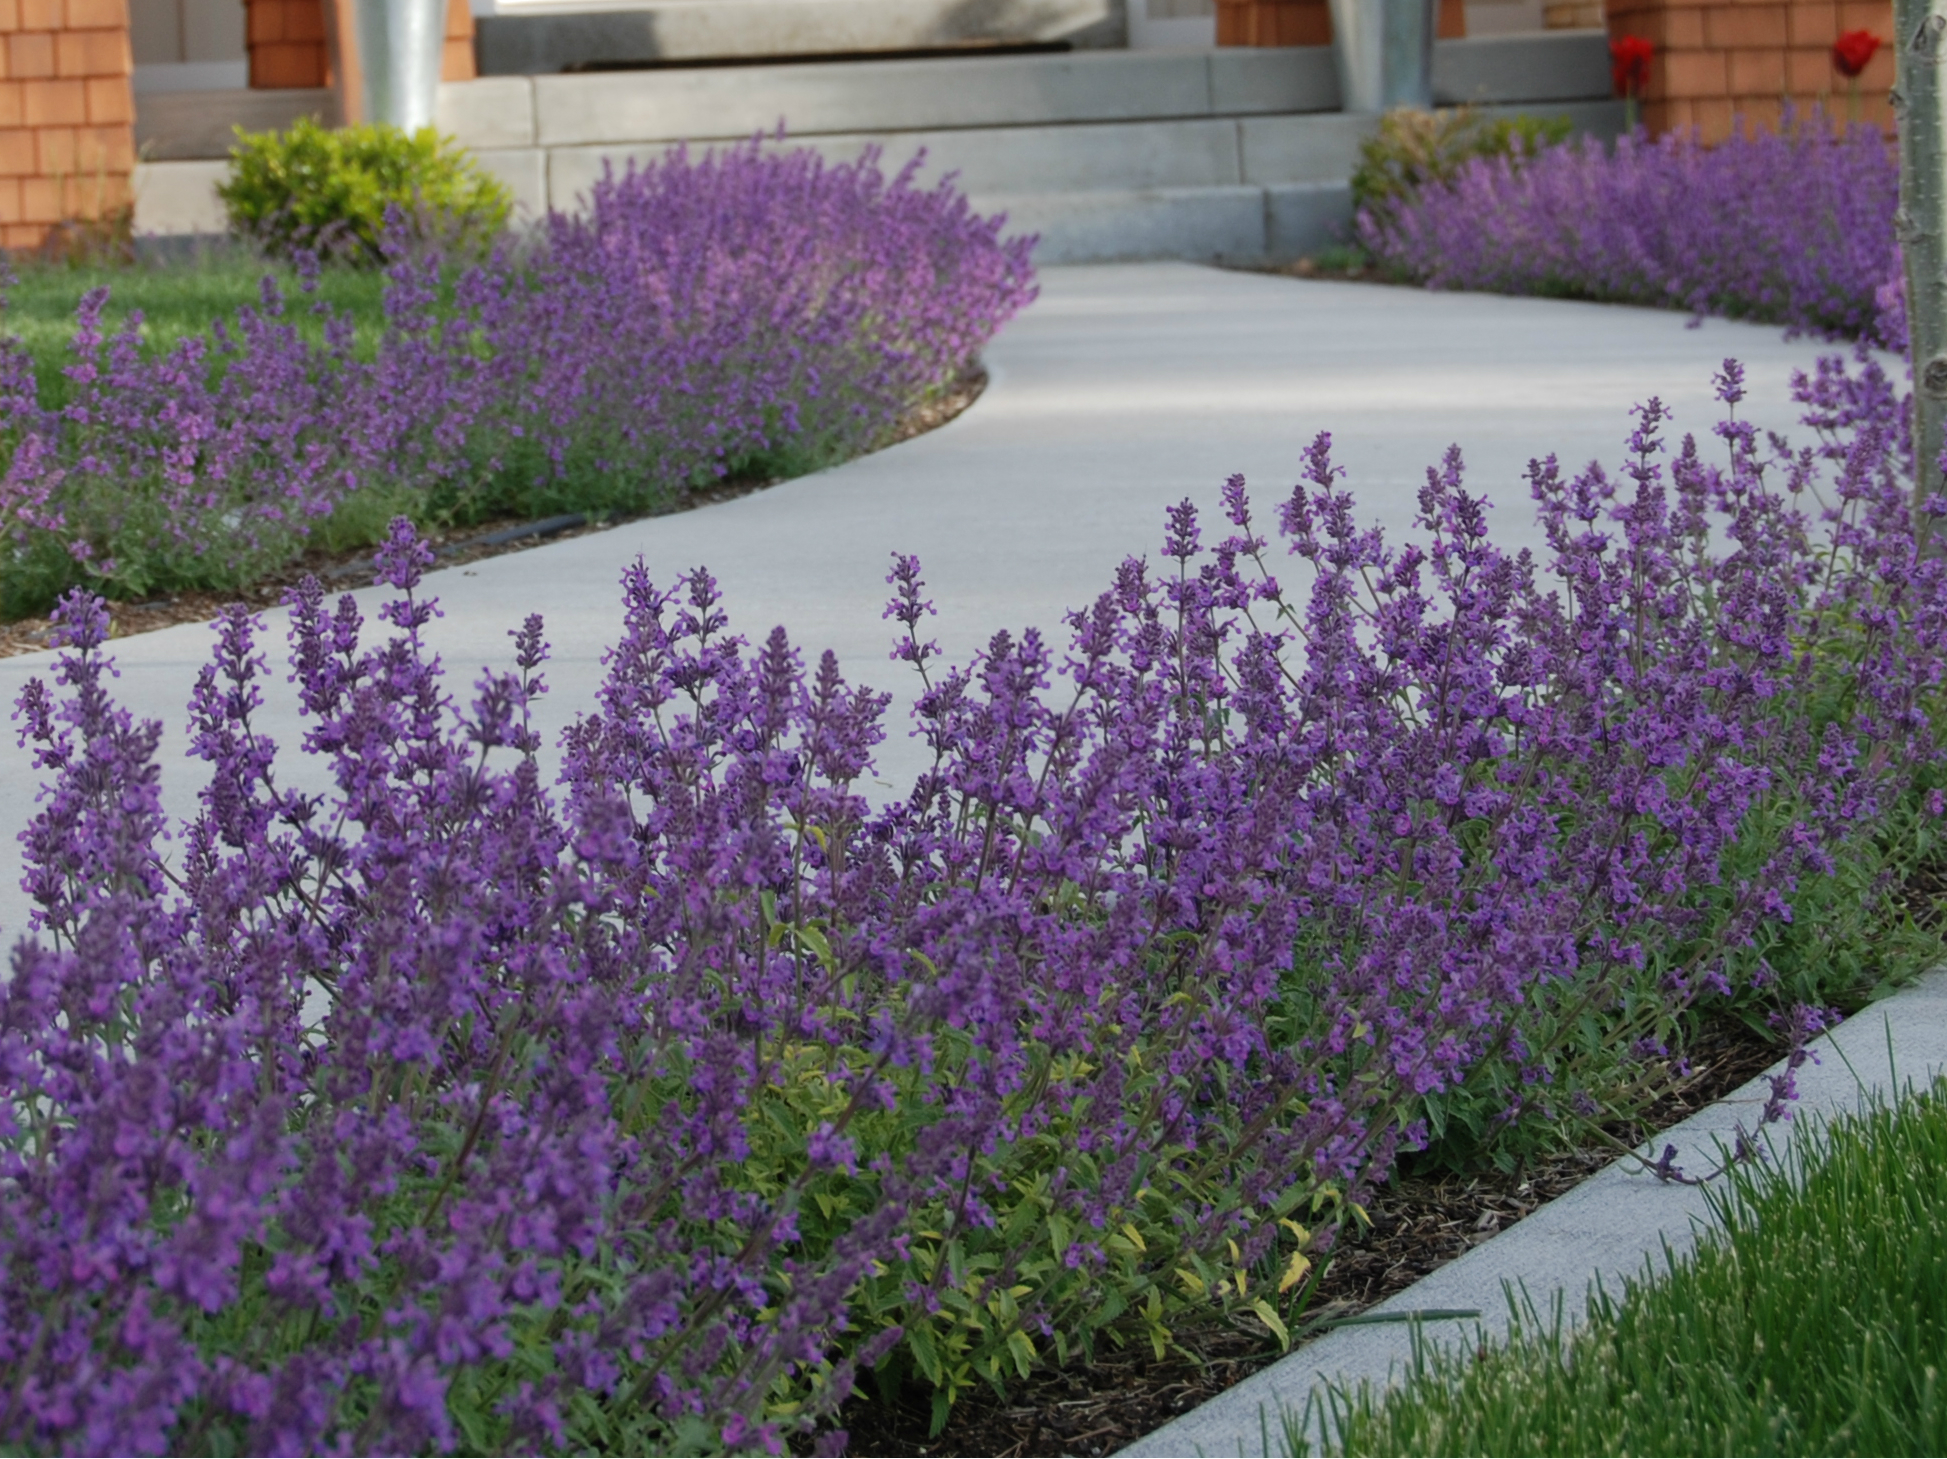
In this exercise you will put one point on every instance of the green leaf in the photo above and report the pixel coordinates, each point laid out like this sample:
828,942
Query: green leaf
1021,1349
926,1355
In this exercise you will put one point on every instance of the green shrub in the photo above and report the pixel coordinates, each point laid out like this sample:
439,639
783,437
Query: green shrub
1416,147
329,190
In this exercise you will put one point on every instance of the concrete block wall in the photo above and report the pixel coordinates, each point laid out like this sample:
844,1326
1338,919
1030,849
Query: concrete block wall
67,144
1304,22
288,47
1748,59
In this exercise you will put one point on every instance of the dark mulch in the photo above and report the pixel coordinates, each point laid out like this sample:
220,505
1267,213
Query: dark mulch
343,571
1331,267
1419,1224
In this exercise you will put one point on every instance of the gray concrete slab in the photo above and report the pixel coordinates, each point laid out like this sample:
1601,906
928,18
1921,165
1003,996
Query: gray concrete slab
1304,217
643,106
1322,148
1243,224
1568,65
1125,389
174,198
1198,224
175,125
1116,156
1614,1225
525,172
489,111
1248,79
650,30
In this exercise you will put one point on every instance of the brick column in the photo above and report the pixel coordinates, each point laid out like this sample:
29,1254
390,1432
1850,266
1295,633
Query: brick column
1721,60
67,141
1305,22
287,44
286,41
460,63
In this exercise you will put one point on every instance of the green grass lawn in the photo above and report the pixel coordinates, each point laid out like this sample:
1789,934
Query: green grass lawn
177,299
1814,1322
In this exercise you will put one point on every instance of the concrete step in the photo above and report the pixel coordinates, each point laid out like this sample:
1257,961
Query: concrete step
1244,224
891,96
1118,157
988,91
1123,154
171,125
901,96
1214,152
543,38
1227,189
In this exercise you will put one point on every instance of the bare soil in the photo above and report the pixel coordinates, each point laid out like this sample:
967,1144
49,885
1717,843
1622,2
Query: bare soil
343,571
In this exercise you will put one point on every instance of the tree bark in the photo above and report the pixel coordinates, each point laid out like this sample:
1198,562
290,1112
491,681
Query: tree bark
1920,105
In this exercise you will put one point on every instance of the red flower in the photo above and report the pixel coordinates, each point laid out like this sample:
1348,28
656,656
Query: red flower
1851,51
1630,63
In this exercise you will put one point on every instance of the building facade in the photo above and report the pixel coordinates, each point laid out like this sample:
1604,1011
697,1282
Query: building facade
73,73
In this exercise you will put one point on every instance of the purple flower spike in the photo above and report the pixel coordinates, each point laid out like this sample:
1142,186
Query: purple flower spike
434,1106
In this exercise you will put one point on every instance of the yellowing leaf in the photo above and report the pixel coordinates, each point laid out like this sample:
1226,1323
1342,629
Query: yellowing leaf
1295,1271
1192,1283
1271,1320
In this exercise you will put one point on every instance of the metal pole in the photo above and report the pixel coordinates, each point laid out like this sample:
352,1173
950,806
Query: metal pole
1920,106
400,45
1384,50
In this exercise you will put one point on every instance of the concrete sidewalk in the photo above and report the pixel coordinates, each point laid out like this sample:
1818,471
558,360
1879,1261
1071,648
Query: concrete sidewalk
1125,389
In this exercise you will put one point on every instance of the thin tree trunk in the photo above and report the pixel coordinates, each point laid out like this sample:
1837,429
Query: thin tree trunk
1920,105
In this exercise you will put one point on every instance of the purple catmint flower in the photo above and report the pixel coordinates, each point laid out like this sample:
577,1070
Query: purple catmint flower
452,1107
754,309
1793,226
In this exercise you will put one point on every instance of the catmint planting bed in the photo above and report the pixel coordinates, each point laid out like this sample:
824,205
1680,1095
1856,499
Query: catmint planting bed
457,547
1792,226
681,1092
747,315
1419,1222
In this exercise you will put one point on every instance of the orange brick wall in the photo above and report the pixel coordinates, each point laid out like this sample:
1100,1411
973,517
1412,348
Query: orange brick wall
67,141
286,39
1745,59
1304,22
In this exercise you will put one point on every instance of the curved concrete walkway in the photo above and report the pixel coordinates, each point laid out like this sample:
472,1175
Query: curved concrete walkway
1125,389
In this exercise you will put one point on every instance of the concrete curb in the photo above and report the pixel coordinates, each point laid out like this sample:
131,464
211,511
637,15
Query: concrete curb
1607,1228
